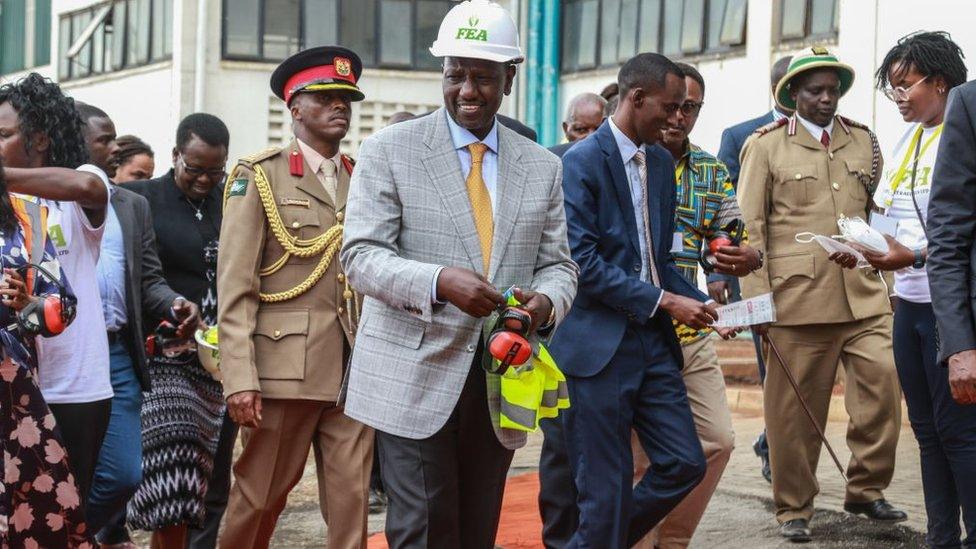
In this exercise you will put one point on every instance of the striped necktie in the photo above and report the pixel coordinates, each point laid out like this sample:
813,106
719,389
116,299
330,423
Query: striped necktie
480,202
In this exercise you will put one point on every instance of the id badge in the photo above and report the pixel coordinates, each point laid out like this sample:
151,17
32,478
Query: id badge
677,242
884,224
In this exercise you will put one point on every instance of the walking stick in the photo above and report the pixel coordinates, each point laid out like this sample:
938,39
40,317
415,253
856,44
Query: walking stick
806,408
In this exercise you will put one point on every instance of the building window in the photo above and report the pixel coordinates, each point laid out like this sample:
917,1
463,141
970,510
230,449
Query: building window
114,35
807,19
25,34
384,33
605,33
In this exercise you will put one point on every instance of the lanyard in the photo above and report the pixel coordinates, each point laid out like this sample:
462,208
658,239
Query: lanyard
914,146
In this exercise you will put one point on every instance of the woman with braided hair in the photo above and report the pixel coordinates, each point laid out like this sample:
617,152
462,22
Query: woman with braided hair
134,160
917,74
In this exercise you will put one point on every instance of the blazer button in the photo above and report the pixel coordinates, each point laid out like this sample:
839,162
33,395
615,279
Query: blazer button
637,267
835,185
469,348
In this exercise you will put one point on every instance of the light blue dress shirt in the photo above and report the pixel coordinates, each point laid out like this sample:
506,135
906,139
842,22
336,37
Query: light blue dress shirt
489,168
628,149
111,273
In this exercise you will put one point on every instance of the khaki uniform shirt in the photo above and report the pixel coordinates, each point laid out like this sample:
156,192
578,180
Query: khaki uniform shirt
295,349
790,184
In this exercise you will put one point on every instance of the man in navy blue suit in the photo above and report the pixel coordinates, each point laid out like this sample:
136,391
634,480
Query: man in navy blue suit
725,288
617,346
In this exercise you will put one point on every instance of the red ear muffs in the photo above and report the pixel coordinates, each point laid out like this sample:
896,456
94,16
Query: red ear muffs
53,315
508,343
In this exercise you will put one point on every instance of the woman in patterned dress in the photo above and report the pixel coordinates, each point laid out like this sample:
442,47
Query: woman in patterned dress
39,503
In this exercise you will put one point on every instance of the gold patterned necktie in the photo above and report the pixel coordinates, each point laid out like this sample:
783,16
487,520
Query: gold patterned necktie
480,202
329,180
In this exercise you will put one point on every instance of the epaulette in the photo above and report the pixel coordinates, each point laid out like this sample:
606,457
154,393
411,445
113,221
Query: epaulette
852,123
252,159
763,130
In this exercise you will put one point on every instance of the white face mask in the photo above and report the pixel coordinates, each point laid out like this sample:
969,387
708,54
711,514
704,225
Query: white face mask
832,246
854,229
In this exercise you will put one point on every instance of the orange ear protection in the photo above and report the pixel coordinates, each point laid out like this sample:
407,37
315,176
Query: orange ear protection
508,343
48,316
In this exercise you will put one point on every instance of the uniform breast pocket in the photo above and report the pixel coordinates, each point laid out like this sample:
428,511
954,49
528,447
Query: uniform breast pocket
304,223
858,178
797,184
790,270
279,344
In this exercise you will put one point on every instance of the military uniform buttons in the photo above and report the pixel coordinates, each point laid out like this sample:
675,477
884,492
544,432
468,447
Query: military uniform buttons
347,295
835,185
295,224
277,333
341,277
830,156
798,177
341,310
340,216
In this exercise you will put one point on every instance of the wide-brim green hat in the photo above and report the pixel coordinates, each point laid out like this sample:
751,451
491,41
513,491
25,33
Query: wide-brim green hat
815,58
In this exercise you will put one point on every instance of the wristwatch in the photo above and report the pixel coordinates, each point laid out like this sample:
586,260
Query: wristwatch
762,259
919,259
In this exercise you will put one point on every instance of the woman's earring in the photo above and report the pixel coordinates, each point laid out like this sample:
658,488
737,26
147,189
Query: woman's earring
941,90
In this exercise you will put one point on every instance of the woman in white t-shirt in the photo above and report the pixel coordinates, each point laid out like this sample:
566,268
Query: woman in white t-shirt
917,75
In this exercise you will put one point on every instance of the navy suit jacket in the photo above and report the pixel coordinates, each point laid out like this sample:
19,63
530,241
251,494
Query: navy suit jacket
604,243
734,138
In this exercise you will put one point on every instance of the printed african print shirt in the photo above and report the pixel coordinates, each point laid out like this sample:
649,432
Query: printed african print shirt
706,203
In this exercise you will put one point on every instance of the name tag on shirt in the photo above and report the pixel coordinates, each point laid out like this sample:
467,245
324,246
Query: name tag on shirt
677,242
884,224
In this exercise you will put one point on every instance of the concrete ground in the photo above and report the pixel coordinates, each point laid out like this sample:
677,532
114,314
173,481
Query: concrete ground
741,512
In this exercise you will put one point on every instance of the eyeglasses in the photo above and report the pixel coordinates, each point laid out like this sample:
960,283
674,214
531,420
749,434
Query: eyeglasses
691,108
900,93
216,175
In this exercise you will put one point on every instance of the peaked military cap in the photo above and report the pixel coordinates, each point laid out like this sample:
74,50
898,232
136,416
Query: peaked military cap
318,69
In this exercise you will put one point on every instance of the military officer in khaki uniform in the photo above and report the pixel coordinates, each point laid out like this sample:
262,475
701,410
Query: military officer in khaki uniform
287,317
802,174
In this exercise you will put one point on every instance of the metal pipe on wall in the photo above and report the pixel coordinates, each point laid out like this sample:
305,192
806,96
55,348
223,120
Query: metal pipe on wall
200,58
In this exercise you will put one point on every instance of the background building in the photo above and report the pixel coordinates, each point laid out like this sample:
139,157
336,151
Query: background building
148,63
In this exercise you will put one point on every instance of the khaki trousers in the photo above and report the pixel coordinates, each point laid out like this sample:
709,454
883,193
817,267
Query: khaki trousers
272,463
871,395
713,423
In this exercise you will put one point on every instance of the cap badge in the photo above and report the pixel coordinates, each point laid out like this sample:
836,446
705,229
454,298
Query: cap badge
343,66
819,50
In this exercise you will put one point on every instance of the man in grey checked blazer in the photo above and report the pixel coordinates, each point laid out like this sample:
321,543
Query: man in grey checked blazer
412,247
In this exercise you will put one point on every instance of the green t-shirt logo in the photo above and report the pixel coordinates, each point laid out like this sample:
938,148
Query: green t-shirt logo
56,235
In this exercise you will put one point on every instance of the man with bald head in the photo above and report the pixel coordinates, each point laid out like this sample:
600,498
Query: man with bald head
584,115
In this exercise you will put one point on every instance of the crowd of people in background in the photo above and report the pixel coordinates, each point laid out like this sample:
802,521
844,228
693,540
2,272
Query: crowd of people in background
350,296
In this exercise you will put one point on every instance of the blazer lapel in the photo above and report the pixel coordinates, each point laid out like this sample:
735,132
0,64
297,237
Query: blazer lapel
840,135
508,196
444,169
658,197
309,183
126,223
620,183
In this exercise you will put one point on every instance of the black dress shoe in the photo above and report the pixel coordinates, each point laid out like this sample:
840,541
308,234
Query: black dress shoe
878,509
377,501
796,530
763,454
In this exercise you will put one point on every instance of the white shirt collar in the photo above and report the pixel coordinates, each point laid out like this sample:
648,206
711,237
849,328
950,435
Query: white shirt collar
627,147
815,130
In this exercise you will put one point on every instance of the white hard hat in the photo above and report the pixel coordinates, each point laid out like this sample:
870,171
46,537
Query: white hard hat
478,29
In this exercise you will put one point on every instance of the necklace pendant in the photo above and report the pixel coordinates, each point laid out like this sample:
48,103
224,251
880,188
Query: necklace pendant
199,215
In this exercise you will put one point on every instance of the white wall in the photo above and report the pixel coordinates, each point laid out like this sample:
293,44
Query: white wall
737,86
